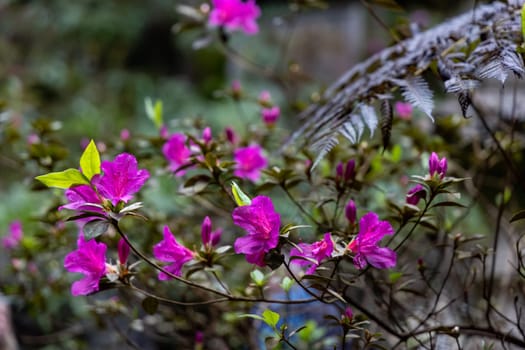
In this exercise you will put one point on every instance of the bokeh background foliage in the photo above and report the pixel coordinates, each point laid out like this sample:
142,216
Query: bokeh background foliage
72,71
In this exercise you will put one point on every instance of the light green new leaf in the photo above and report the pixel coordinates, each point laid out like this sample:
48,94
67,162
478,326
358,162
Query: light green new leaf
154,111
240,197
271,318
523,22
90,161
63,179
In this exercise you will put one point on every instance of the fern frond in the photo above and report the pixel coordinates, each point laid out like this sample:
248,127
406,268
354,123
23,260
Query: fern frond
415,91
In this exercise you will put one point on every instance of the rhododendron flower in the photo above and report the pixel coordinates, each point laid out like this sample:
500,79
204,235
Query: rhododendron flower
235,15
365,244
351,212
403,110
177,153
262,222
83,198
90,260
437,166
169,250
209,238
14,236
121,178
270,115
317,251
415,194
250,162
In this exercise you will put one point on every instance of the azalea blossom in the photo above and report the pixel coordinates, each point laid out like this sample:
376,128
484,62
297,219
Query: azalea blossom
270,115
177,153
365,244
403,110
437,166
415,194
250,162
14,236
345,172
120,178
262,223
171,251
235,15
317,251
90,260
83,198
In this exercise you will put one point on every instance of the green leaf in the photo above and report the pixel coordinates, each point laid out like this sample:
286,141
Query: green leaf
154,111
240,197
394,277
90,161
258,277
63,179
270,318
95,228
518,216
287,284
257,317
448,204
150,305
523,21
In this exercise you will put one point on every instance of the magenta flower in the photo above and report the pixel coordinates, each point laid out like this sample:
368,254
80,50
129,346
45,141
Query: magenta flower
415,194
169,250
317,251
365,244
177,153
120,178
14,236
90,260
270,115
262,222
83,198
209,238
437,166
250,162
351,212
403,110
124,134
235,15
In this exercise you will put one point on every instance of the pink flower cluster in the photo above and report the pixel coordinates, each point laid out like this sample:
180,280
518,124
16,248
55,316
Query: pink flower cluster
235,15
14,236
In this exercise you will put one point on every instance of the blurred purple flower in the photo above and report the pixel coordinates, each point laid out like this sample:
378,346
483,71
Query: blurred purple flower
437,166
90,260
415,194
262,222
124,135
250,162
230,135
403,110
209,238
177,153
235,15
265,98
14,236
169,250
365,244
317,251
120,178
206,135
270,115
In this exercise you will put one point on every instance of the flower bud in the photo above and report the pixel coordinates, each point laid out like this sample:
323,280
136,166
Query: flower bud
415,194
437,166
351,212
206,134
123,251
270,115
206,230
